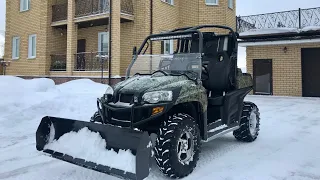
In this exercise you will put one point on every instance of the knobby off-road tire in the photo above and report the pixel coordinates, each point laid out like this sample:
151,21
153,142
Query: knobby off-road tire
171,139
249,123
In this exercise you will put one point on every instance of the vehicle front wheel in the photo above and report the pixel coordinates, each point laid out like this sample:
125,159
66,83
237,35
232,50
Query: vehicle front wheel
249,123
178,146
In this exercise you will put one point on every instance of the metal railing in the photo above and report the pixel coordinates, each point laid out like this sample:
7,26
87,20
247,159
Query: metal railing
58,62
127,7
91,61
290,19
91,7
59,12
88,7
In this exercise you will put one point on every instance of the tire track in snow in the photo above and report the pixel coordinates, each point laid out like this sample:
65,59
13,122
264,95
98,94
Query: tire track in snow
24,170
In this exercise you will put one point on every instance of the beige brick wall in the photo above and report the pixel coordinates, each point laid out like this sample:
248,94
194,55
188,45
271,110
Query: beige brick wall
125,35
287,80
23,24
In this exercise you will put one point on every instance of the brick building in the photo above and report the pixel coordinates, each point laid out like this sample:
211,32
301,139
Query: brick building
283,52
64,38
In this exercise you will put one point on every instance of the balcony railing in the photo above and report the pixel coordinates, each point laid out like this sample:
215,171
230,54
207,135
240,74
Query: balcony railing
127,7
59,12
89,7
58,62
91,61
290,19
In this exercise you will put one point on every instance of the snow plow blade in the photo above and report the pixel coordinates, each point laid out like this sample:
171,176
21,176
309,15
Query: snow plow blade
66,140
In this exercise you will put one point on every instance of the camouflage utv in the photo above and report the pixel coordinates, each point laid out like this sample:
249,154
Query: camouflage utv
187,91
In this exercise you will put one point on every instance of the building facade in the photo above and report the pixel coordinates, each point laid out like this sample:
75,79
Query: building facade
69,38
283,52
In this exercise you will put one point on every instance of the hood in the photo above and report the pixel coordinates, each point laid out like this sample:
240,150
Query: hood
140,84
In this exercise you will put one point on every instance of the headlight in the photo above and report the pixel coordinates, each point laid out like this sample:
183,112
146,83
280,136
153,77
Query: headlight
109,90
157,96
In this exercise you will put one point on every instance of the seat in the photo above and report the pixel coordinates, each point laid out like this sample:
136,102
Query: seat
219,69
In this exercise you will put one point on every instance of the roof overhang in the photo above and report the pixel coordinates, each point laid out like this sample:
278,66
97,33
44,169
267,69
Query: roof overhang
278,42
279,38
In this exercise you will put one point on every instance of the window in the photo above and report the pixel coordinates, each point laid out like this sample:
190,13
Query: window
169,1
15,47
24,5
211,2
103,43
32,46
230,4
168,47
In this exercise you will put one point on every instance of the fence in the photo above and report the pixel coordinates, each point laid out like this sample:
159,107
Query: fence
291,19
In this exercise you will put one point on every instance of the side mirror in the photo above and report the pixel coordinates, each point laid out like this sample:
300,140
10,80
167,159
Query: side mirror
134,51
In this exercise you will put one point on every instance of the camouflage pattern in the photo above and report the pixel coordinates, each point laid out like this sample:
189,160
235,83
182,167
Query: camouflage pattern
157,82
244,80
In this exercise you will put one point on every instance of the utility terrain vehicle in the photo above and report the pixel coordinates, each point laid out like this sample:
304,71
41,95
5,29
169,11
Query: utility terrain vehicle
188,91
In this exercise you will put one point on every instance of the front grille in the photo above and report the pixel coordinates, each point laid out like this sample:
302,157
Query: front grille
126,98
120,118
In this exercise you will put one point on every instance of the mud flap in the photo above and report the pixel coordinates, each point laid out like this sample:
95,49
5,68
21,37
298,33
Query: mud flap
52,128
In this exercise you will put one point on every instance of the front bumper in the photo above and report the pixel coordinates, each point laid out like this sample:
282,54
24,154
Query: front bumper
126,115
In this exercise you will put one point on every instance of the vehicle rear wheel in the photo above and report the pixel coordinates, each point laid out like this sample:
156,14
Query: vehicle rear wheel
178,146
249,123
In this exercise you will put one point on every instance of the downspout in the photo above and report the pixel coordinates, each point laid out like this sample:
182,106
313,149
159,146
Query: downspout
151,24
110,39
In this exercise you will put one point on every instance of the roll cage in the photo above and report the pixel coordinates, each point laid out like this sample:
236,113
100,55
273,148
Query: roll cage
186,33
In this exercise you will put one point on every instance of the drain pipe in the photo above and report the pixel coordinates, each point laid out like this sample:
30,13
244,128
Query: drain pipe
110,39
151,23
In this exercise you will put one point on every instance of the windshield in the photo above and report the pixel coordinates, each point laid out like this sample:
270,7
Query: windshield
188,64
175,56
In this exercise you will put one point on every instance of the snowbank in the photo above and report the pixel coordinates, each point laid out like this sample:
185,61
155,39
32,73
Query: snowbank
14,84
90,146
81,86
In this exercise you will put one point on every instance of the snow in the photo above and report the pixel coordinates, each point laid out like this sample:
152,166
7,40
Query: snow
90,146
252,32
310,28
287,146
267,31
218,128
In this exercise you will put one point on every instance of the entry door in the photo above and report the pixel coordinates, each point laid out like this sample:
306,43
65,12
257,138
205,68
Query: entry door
262,76
310,72
81,56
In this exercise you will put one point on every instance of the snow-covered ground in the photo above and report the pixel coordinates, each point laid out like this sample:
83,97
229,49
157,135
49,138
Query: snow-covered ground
286,149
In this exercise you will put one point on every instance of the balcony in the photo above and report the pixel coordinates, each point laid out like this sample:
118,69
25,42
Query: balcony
58,62
90,11
91,61
84,61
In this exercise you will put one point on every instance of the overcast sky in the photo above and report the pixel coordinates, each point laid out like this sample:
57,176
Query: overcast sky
244,7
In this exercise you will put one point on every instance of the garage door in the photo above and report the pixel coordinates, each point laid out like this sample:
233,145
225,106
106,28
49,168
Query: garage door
311,72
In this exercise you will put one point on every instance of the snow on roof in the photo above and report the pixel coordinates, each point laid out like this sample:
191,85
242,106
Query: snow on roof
268,31
310,28
252,32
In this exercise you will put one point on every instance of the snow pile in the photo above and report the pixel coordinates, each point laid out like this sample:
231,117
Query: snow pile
81,86
12,84
90,146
